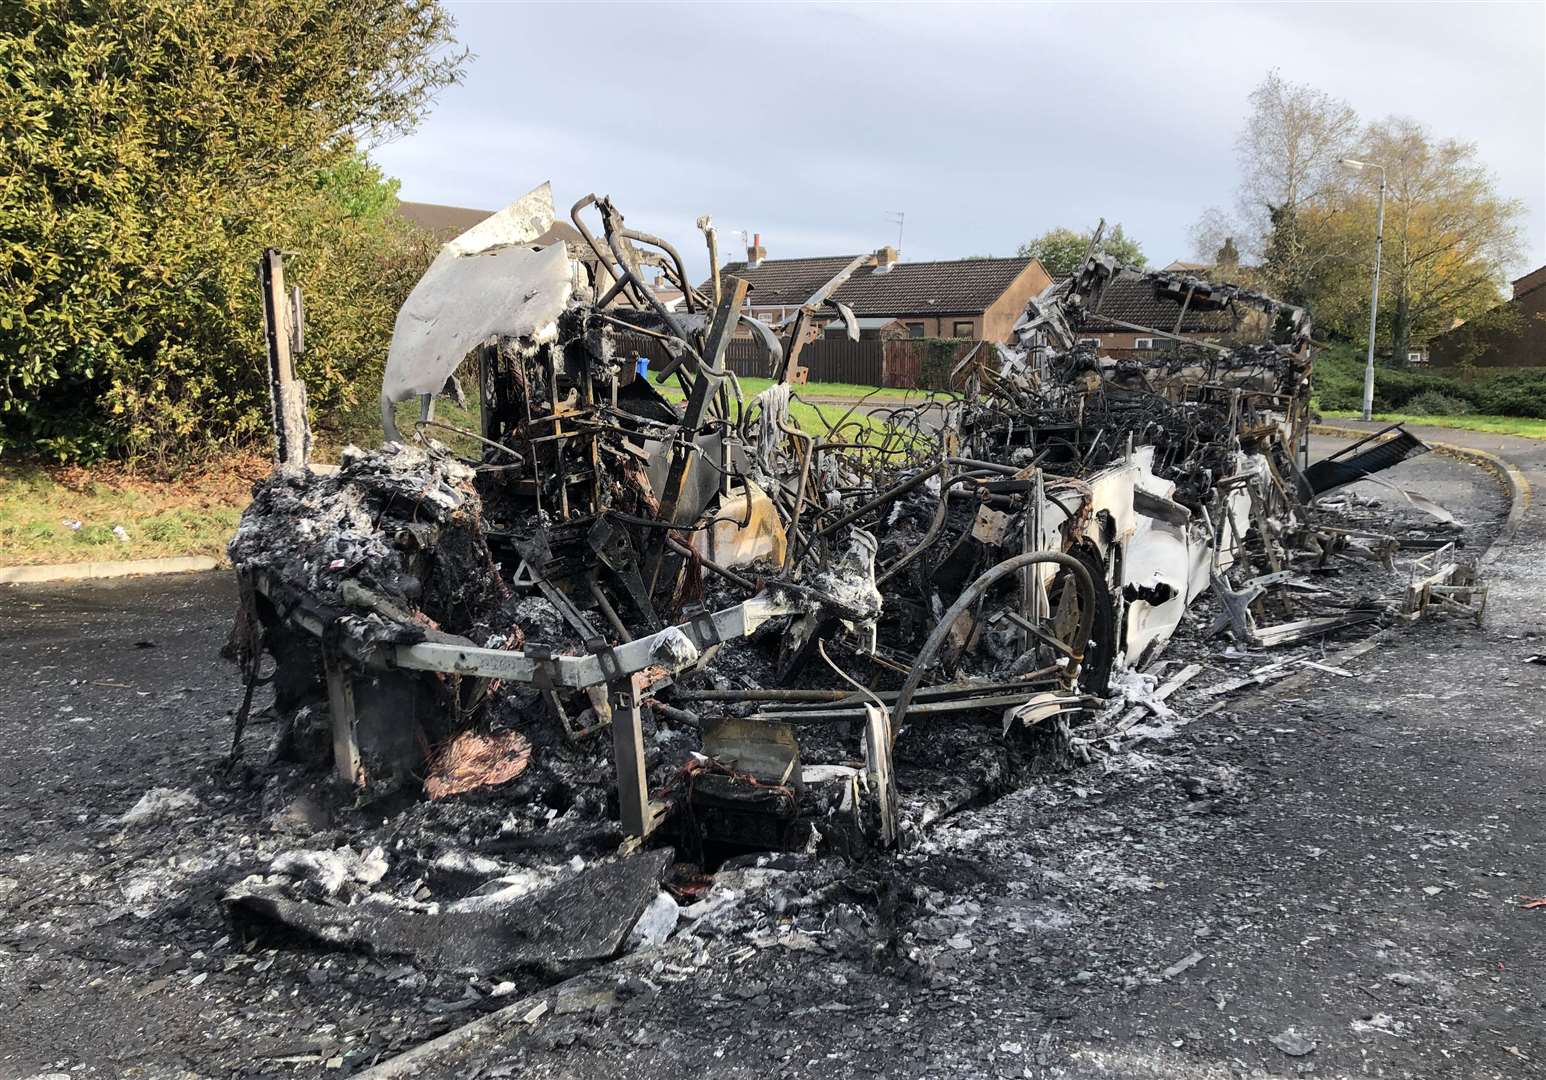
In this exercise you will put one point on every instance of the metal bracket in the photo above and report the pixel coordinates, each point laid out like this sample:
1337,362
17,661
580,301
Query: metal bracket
611,667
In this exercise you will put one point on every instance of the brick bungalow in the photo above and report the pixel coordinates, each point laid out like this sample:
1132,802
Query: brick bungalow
1521,342
956,298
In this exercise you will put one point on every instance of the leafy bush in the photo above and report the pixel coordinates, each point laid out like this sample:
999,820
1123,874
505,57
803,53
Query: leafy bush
1337,380
940,356
1338,383
149,151
1520,392
1437,403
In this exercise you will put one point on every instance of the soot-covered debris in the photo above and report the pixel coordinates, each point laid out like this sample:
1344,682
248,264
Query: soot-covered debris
638,615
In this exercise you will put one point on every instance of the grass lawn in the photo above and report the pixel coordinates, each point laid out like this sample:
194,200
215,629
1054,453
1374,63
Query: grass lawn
447,412
819,417
64,514
806,413
57,515
1502,425
751,387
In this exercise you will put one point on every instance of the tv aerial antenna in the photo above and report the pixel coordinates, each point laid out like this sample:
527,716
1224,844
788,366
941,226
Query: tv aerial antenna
897,218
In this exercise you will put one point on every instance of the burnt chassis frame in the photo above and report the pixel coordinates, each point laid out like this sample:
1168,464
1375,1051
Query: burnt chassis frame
609,672
675,648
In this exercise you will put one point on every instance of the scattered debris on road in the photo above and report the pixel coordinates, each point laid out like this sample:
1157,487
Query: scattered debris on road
1293,1043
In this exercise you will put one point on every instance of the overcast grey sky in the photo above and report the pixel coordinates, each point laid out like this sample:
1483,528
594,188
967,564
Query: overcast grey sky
985,124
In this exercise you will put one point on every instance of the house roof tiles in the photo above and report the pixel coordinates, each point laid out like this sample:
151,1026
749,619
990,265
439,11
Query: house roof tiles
1134,300
444,222
956,286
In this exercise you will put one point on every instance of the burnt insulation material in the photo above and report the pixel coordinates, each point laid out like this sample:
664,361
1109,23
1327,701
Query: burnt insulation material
403,524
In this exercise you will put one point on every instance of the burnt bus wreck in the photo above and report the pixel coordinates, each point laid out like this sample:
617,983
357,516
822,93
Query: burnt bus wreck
706,621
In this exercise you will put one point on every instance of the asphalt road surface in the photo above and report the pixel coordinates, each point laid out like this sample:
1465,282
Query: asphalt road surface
1326,879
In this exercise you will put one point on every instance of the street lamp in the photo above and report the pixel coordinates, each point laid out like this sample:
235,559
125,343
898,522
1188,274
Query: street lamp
1374,294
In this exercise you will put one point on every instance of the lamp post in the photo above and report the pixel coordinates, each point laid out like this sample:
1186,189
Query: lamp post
1374,292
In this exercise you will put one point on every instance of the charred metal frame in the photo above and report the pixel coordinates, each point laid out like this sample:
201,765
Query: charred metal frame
1067,508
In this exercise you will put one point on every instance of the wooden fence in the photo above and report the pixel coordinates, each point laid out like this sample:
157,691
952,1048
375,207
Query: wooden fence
923,363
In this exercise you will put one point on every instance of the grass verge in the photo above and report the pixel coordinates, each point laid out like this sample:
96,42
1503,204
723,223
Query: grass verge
1501,425
808,416
64,515
750,387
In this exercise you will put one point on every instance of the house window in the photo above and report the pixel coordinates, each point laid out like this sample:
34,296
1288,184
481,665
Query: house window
1143,343
915,329
765,316
962,329
1092,341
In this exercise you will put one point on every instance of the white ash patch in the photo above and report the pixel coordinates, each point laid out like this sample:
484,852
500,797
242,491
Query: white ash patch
509,886
1378,1024
674,650
333,872
467,862
147,890
656,924
1131,689
159,803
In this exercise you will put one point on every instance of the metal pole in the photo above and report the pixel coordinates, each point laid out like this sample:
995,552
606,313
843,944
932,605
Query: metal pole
633,794
1374,301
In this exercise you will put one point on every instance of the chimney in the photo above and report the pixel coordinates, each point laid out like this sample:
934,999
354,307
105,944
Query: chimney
756,253
885,259
1227,258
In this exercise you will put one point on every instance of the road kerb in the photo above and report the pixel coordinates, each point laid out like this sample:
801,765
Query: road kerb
84,571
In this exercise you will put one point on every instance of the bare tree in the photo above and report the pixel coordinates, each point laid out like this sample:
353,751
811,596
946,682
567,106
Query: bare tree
1310,223
1291,147
1212,228
1291,183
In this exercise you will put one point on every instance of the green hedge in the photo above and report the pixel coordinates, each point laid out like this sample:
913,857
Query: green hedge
1503,392
149,151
